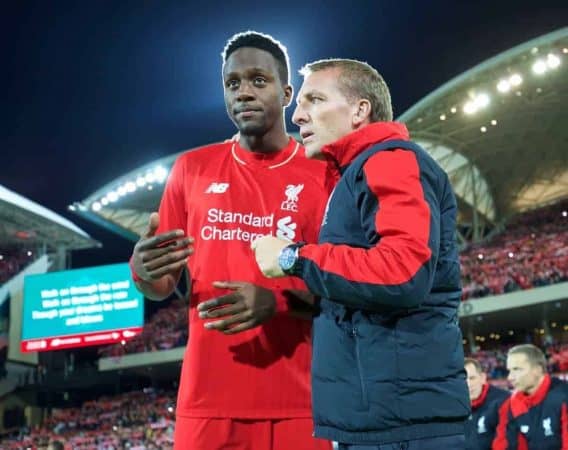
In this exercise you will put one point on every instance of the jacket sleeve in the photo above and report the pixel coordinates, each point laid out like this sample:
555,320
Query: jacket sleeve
401,207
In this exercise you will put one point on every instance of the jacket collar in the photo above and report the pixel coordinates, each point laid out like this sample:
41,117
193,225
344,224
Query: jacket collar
347,148
522,402
479,400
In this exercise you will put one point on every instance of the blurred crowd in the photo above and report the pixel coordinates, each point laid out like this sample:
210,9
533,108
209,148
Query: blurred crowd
139,420
13,261
531,252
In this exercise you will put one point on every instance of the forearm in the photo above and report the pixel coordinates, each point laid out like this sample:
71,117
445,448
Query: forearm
367,279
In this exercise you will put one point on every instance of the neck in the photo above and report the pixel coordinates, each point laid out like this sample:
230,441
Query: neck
532,390
272,141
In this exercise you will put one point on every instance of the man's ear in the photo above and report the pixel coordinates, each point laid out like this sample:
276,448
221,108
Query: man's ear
288,95
362,114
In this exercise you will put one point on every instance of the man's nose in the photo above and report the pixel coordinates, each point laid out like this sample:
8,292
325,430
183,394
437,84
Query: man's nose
300,116
245,92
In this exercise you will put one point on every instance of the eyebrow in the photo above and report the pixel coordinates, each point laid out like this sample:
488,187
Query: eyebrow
309,94
250,71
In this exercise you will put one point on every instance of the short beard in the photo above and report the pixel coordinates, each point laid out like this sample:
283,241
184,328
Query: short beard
253,130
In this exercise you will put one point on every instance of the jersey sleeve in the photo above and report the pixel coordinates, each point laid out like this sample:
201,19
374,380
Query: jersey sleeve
398,270
173,206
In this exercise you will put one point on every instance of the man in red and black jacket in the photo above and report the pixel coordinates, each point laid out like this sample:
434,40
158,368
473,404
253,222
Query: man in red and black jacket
387,358
485,403
536,415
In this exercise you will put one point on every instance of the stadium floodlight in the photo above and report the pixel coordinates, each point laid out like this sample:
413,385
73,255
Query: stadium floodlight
511,255
443,117
564,213
30,253
454,110
483,129
480,256
96,206
150,177
1,257
140,181
539,67
112,196
470,107
130,186
503,86
552,61
121,191
493,122
160,173
565,50
515,79
482,100
104,201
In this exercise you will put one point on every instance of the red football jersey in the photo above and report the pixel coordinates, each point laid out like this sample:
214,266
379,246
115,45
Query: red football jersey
225,196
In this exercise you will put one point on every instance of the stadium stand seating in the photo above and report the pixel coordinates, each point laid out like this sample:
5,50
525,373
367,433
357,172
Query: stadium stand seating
138,420
12,261
531,252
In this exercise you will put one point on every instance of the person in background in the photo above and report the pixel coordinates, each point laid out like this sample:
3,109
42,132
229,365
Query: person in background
485,403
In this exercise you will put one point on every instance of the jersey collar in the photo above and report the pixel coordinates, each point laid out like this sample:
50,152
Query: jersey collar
268,160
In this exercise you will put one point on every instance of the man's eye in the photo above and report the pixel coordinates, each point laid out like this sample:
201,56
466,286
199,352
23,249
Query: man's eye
260,81
231,84
316,99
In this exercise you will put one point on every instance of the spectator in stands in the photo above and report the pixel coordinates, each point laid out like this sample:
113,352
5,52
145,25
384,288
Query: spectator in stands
55,445
531,252
535,417
485,403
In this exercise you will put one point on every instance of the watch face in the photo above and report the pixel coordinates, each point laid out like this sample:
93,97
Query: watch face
287,258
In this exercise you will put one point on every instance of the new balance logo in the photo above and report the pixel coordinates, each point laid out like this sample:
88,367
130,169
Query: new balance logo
217,188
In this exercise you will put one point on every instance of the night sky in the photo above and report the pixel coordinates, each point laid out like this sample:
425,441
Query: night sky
94,89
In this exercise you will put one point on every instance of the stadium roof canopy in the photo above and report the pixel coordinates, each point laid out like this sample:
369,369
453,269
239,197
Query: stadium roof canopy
498,129
25,223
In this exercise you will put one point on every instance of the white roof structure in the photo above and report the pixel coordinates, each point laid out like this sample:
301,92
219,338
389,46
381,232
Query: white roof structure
499,130
24,222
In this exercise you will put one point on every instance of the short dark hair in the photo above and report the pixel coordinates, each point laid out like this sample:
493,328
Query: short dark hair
358,80
475,363
535,355
264,42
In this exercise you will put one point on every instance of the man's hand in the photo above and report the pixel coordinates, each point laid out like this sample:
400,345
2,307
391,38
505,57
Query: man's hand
266,251
156,255
246,307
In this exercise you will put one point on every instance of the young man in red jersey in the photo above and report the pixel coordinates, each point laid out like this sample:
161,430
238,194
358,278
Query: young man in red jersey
245,381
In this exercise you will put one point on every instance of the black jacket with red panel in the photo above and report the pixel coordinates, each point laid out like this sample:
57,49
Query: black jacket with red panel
387,360
535,422
481,427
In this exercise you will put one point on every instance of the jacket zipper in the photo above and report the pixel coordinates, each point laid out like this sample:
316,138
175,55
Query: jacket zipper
364,399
